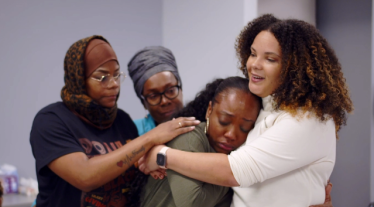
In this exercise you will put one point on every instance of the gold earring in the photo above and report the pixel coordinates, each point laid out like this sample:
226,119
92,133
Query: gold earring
206,126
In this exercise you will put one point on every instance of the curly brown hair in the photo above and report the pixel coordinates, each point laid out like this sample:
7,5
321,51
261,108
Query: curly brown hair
311,76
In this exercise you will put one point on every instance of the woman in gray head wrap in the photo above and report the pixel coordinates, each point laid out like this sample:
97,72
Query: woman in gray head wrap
157,83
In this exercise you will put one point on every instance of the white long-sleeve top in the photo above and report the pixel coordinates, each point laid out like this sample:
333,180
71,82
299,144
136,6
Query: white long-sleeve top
286,160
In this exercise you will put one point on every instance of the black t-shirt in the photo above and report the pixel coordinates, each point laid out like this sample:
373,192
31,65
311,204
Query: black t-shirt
56,131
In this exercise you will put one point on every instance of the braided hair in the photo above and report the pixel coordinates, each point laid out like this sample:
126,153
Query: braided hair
212,90
196,108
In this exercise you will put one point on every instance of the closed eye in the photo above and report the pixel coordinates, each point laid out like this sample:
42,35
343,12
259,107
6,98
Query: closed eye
224,123
246,129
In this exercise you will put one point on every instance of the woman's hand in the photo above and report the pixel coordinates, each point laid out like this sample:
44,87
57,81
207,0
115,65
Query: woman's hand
328,202
168,130
147,163
157,174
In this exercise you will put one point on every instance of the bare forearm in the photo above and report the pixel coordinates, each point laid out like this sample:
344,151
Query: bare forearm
207,167
88,174
108,167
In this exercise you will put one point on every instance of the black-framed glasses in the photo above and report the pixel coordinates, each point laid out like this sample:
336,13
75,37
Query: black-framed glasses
155,98
105,79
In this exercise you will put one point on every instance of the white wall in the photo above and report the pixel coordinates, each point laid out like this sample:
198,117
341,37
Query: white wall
297,9
372,108
35,36
202,36
250,11
347,27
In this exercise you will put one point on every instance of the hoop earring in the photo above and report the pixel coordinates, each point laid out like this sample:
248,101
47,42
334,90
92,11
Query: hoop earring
206,126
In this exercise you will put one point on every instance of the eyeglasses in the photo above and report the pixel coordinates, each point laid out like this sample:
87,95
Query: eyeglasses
155,98
105,79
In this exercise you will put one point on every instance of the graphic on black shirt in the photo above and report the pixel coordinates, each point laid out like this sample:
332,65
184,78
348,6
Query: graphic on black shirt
57,131
113,193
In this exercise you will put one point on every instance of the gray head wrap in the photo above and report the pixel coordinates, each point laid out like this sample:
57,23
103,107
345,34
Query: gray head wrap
149,61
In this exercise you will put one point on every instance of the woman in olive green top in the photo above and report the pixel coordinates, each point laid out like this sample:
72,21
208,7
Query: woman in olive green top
223,109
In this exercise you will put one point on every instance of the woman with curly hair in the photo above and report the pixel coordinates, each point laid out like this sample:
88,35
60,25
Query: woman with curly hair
85,147
289,155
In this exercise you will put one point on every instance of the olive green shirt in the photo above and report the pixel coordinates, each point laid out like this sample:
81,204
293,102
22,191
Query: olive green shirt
179,190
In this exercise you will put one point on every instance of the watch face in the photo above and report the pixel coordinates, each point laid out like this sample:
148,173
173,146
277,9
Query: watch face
160,159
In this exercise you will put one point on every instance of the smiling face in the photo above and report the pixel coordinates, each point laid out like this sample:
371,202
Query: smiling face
104,96
165,110
230,119
264,64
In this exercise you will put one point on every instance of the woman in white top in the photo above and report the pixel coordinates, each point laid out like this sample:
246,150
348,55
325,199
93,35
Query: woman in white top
289,155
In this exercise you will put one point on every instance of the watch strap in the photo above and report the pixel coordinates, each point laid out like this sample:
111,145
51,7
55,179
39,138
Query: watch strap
163,150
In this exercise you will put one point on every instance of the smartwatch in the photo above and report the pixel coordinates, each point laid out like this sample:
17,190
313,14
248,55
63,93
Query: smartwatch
161,157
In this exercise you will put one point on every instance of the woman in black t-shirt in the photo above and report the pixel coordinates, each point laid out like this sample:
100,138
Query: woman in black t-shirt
81,145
